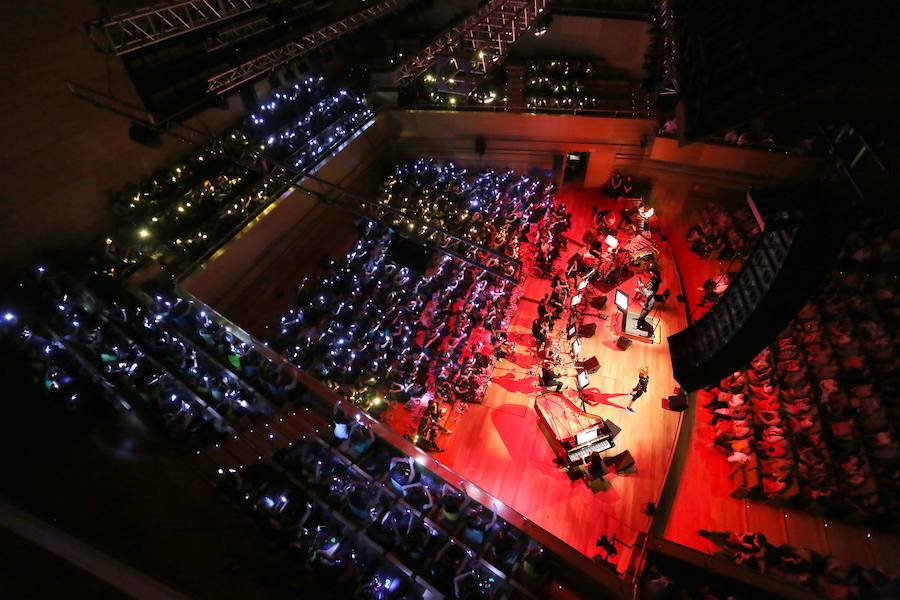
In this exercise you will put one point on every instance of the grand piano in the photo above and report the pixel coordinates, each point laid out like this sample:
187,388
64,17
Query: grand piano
574,434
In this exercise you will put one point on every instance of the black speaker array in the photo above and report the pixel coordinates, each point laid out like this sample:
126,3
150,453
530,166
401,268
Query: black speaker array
804,229
408,253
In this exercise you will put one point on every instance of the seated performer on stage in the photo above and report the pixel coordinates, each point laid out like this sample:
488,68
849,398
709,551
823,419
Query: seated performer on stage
644,213
549,377
640,389
625,217
539,332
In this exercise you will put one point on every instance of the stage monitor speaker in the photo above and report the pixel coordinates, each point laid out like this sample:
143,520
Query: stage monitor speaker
587,330
623,343
676,403
804,228
408,253
480,146
591,365
598,303
621,462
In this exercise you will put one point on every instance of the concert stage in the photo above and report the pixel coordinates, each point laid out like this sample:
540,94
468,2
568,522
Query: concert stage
498,445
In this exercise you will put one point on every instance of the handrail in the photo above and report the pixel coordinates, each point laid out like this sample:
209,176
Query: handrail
758,146
331,152
503,108
584,565
280,172
723,568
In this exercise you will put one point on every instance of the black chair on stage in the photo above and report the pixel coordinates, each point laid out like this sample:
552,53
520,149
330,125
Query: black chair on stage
622,463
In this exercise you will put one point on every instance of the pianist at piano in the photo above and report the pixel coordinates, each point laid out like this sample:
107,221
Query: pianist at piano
574,434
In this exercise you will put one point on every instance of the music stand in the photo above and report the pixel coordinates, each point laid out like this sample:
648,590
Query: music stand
581,382
621,301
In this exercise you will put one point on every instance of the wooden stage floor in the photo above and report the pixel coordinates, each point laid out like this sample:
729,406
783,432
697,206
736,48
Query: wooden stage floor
497,445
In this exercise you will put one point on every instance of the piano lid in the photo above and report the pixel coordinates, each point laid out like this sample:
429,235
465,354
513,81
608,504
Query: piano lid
564,419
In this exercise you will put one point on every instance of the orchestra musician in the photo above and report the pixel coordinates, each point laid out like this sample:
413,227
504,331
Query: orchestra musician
549,378
643,213
648,293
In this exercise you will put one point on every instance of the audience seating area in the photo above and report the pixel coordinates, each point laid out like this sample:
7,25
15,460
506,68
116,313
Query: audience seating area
377,329
179,215
812,419
577,84
802,567
722,234
78,344
374,523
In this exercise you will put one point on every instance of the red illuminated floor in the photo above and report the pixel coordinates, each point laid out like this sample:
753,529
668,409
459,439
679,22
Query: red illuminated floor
703,499
498,446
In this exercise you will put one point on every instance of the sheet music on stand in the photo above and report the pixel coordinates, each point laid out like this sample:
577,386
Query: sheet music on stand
586,280
582,380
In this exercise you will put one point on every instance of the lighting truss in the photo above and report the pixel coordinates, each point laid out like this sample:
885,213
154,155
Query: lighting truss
249,157
486,34
131,31
238,33
271,60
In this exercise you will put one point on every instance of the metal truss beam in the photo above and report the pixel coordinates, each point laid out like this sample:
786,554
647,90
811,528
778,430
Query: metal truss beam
131,31
488,32
271,60
244,30
248,157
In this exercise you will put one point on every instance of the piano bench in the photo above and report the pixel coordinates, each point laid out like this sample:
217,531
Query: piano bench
622,463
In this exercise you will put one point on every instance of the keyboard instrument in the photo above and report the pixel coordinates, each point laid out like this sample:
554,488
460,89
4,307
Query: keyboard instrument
574,434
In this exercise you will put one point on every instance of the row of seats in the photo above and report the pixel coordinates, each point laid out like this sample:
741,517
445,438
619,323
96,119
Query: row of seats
825,575
721,233
178,215
75,340
812,418
376,329
379,525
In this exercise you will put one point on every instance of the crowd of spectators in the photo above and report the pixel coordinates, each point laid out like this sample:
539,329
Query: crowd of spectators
727,236
813,417
825,575
65,327
370,522
179,214
490,208
377,330
89,350
265,374
576,84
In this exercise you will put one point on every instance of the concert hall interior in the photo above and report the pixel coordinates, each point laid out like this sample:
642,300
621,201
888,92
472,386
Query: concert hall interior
404,299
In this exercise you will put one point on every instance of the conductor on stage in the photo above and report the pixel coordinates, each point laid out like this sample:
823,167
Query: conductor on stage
649,292
641,388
